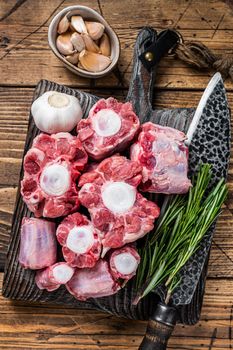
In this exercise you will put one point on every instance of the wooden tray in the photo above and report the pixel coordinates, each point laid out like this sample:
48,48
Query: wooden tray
19,283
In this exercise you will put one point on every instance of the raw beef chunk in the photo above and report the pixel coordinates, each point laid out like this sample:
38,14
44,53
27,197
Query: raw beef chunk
38,245
110,127
164,158
51,168
93,283
117,209
124,262
80,241
54,276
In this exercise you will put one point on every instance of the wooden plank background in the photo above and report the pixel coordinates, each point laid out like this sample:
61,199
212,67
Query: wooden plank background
25,58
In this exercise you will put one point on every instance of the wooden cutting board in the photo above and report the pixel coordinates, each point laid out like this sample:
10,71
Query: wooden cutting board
19,283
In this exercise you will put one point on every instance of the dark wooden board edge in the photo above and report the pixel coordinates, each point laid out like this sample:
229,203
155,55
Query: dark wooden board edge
18,283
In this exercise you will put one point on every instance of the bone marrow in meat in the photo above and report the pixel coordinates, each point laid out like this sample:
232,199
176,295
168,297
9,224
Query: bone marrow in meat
110,127
117,209
80,241
51,168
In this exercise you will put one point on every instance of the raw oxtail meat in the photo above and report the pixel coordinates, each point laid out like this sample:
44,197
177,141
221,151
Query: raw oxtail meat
51,168
52,277
38,244
164,159
124,262
110,127
93,283
80,241
117,209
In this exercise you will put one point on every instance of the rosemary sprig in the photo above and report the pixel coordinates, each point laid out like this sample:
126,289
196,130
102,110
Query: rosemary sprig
184,221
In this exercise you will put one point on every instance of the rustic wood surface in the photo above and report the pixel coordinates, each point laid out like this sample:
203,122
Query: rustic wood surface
26,58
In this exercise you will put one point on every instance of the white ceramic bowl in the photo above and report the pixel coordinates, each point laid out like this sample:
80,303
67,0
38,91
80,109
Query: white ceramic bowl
88,14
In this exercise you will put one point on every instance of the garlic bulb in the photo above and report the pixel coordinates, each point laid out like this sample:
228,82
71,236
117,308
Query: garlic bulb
93,62
55,112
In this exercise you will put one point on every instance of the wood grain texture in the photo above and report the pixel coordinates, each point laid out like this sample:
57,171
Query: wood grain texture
25,52
36,326
24,59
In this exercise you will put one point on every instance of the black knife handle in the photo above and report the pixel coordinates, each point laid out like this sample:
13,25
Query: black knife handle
159,328
142,80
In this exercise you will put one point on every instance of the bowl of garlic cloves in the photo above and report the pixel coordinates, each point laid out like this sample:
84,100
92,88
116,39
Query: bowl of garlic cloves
82,39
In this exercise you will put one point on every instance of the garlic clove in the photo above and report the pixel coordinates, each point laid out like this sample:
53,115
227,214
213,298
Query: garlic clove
78,24
105,46
64,44
79,65
63,25
95,29
71,29
90,44
93,62
77,41
73,58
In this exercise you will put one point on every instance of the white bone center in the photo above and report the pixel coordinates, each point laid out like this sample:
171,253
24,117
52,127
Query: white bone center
106,123
62,273
55,180
118,197
125,263
80,239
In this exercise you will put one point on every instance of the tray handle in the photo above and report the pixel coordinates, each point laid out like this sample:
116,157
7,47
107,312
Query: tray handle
159,328
142,80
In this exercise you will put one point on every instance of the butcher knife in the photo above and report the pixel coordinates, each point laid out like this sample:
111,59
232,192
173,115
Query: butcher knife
208,136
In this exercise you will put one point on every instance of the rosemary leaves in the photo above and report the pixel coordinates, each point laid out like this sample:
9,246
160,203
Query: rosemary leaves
184,221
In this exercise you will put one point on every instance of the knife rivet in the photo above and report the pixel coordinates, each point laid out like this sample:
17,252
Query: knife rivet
149,56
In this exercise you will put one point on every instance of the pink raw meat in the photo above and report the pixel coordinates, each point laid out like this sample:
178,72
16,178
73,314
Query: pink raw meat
51,168
164,158
80,241
110,127
110,193
124,262
54,276
93,283
38,245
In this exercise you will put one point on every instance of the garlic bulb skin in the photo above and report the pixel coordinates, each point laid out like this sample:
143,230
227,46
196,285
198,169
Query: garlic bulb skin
55,112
